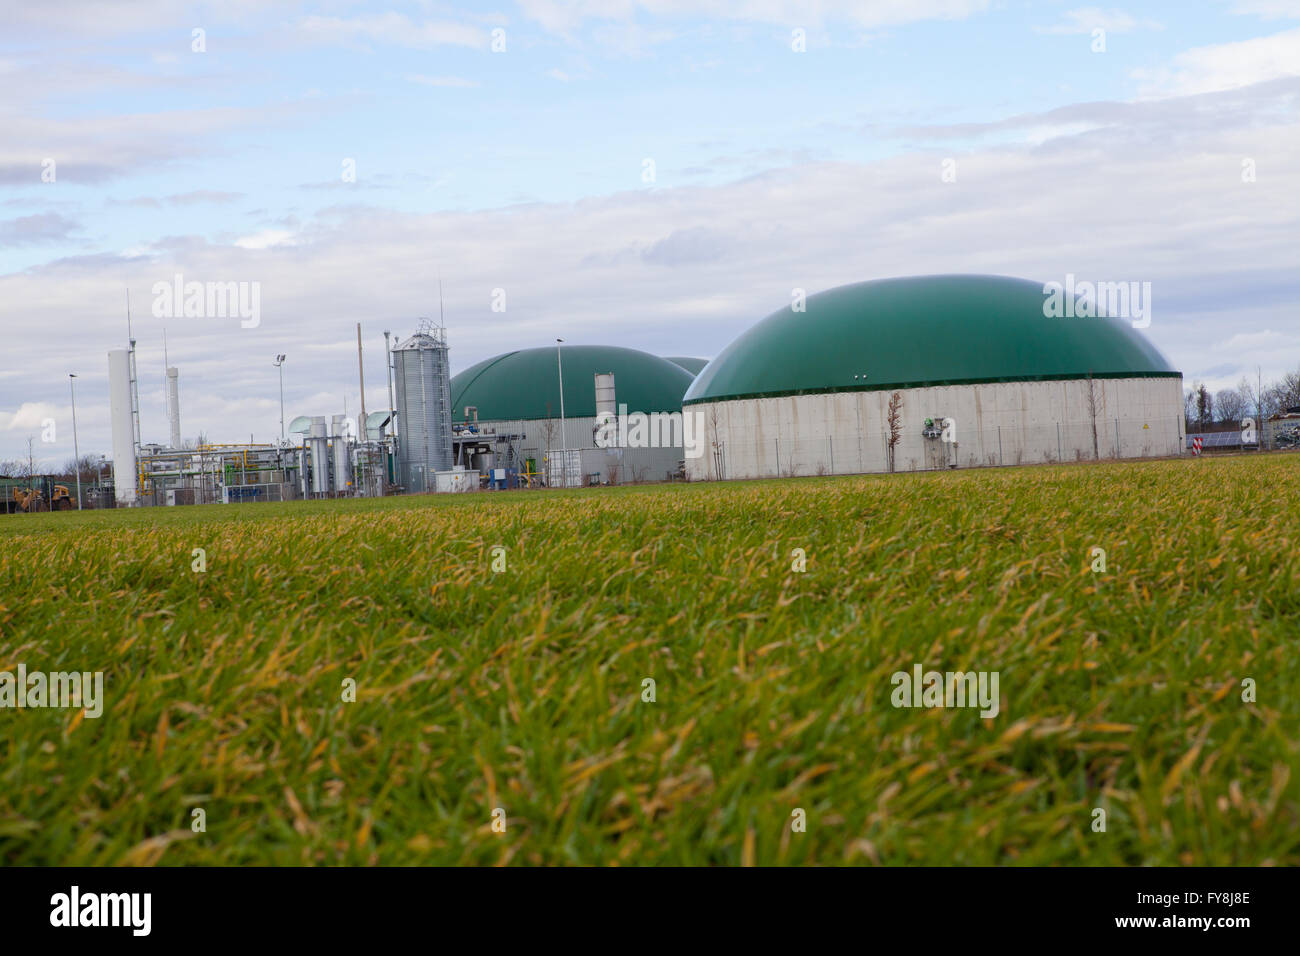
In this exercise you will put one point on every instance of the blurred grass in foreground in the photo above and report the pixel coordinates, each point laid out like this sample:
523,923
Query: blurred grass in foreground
522,690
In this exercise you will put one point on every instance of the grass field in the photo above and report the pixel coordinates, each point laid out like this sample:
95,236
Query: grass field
522,690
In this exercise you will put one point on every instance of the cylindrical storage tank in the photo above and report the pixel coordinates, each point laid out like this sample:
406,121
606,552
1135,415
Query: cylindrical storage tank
174,407
342,466
119,397
605,402
317,442
932,372
422,378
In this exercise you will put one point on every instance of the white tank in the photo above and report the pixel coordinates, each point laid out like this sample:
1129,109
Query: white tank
317,442
119,400
342,471
174,407
605,401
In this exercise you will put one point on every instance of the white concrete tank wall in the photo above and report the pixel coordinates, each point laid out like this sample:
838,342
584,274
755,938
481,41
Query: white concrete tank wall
119,400
1005,423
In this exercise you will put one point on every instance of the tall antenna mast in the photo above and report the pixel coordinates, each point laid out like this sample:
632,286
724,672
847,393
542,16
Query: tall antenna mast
441,319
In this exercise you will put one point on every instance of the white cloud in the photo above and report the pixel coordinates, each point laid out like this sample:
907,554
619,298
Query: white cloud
391,28
1226,66
440,81
266,239
31,416
565,16
1086,19
1269,9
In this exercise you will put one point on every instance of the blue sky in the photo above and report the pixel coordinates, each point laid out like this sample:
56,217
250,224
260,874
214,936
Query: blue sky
522,168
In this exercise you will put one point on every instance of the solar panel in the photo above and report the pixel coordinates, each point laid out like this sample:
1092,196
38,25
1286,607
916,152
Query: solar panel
1216,439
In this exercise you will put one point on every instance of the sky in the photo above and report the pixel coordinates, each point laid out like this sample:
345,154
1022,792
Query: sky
657,174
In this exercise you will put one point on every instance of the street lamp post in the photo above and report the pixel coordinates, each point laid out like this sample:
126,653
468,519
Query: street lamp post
388,377
76,451
279,363
559,364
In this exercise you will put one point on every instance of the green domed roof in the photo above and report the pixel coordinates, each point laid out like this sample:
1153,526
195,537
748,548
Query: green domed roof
923,330
692,365
519,385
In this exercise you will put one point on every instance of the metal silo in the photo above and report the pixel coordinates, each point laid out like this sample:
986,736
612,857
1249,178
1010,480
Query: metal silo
422,375
317,446
342,466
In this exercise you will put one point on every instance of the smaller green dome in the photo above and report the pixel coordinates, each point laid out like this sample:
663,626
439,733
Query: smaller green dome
692,365
525,384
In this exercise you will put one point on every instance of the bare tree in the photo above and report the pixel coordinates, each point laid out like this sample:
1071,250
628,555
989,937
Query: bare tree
1230,405
715,444
1254,398
895,422
549,428
1092,412
1285,393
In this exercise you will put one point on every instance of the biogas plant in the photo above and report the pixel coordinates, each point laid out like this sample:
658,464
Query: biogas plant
917,373
529,418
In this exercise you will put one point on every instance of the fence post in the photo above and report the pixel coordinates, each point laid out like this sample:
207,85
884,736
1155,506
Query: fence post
1117,454
999,445
778,456
1058,441
830,445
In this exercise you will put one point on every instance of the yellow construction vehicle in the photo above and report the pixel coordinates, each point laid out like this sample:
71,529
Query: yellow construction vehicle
47,497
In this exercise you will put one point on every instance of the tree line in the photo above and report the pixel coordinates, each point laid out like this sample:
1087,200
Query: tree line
1258,400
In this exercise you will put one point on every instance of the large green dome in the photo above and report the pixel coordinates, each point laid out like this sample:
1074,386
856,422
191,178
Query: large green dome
525,384
923,330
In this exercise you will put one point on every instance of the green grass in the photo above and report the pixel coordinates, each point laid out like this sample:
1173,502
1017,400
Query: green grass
522,690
